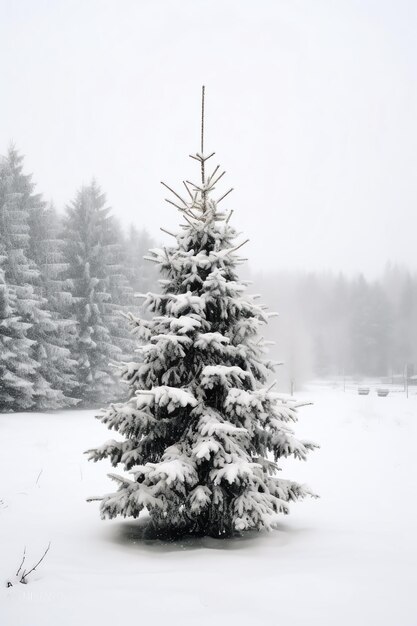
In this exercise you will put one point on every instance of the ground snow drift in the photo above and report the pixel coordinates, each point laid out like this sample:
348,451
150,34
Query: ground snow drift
346,559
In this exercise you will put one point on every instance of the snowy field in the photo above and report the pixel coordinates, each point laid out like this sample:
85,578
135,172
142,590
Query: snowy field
349,558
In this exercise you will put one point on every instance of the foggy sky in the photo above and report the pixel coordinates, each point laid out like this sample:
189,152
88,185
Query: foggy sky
311,109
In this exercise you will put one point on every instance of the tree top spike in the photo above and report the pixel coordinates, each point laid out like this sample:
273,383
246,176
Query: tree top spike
203,93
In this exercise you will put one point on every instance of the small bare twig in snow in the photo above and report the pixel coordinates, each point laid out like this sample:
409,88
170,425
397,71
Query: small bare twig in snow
21,574
23,560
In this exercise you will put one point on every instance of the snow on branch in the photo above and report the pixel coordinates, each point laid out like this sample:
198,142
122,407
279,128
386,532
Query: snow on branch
200,157
224,195
175,194
168,232
170,397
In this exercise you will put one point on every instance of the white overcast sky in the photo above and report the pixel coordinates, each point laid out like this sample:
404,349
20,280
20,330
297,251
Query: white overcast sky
311,108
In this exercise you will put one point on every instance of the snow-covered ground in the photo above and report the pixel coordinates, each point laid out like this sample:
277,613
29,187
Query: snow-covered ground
349,558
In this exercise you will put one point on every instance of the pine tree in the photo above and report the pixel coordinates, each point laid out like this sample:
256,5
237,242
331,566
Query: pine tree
370,329
142,275
121,300
201,423
17,202
17,369
46,249
86,227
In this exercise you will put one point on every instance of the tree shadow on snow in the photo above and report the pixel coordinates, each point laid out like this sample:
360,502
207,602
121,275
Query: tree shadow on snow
138,534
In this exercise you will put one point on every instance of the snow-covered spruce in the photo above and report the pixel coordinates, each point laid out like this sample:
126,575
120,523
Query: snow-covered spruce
201,427
17,369
87,225
32,362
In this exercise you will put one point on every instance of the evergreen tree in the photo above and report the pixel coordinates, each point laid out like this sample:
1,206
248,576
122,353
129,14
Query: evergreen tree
370,329
201,423
17,203
383,354
142,275
406,331
17,369
86,227
46,249
121,300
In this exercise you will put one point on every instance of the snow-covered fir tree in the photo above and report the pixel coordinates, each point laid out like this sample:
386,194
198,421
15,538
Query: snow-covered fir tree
86,229
203,434
122,300
17,368
142,275
46,249
17,202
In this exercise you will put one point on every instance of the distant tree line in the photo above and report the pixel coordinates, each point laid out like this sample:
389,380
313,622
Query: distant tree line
334,325
65,281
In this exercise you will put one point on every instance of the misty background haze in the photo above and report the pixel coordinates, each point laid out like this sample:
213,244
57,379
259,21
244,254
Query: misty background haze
311,110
